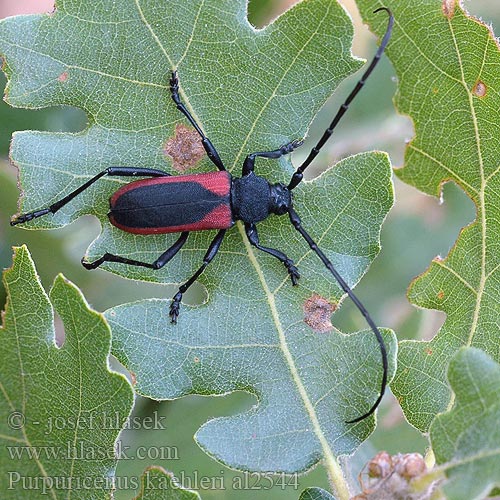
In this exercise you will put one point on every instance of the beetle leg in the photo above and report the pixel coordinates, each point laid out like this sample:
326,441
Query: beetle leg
211,253
253,237
207,143
111,171
163,259
249,163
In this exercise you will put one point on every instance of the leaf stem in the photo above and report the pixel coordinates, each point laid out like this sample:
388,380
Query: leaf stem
336,478
334,471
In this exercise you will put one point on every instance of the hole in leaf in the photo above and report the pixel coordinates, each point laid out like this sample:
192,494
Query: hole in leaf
52,119
59,330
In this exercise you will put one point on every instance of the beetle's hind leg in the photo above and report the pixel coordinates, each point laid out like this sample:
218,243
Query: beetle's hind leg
111,171
253,237
163,259
207,143
211,253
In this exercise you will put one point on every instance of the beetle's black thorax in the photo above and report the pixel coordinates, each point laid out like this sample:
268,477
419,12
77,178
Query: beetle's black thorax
253,198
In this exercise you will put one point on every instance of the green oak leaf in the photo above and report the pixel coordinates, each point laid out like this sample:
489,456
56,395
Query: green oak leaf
53,436
253,337
466,440
316,494
251,90
159,484
447,66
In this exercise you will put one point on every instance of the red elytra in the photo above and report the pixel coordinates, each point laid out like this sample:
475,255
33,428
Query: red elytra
173,204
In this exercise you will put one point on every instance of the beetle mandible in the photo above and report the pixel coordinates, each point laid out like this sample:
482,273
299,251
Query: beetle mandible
216,200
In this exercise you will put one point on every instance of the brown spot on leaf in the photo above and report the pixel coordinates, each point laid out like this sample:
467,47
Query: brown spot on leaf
184,148
133,378
63,77
449,8
317,312
428,351
196,359
479,89
440,295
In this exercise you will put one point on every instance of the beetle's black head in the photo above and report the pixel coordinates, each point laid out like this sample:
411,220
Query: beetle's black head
280,200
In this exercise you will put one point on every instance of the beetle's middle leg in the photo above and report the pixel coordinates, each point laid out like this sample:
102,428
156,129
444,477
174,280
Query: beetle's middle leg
163,259
207,143
253,237
211,253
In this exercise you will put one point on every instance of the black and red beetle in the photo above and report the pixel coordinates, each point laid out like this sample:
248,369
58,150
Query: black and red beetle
215,200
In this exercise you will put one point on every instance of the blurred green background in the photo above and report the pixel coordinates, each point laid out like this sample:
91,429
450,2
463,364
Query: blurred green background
418,228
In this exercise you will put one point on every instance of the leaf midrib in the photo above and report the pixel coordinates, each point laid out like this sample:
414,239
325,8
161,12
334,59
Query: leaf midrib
481,200
481,192
332,466
23,391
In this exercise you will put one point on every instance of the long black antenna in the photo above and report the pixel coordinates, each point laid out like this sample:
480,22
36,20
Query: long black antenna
297,224
298,175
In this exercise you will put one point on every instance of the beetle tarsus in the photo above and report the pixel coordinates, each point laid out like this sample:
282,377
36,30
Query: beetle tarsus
292,146
292,271
175,307
212,153
91,265
29,216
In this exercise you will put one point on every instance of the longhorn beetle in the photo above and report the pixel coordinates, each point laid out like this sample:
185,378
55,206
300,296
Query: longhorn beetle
216,200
